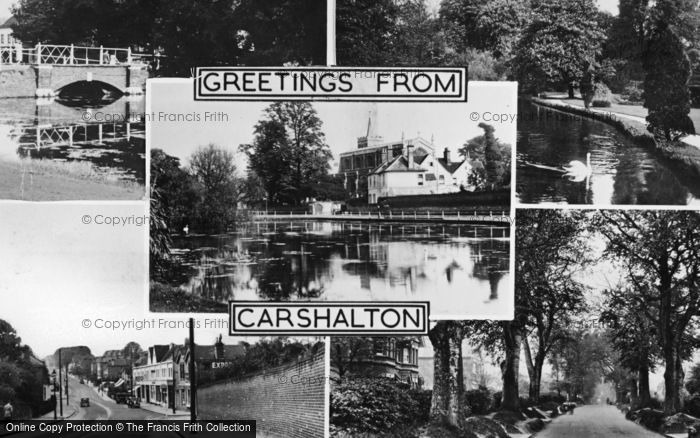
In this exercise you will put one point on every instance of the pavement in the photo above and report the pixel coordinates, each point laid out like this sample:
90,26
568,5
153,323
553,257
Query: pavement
595,421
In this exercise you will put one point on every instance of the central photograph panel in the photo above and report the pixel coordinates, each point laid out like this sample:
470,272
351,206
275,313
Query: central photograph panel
332,201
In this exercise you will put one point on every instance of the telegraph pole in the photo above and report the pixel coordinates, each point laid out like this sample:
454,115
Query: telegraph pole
193,378
60,382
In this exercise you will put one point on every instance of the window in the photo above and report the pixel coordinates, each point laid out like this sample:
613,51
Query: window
442,179
420,179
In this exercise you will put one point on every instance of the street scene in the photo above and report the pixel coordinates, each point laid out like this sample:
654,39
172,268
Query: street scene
301,210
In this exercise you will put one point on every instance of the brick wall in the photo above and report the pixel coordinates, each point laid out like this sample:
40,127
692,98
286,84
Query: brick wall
287,401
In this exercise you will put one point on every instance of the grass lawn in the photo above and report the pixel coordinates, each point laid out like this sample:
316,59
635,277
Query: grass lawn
37,183
630,110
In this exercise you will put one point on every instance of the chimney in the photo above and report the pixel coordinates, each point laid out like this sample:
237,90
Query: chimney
219,348
409,152
446,156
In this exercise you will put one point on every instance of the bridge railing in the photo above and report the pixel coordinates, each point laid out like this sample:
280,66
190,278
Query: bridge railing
52,54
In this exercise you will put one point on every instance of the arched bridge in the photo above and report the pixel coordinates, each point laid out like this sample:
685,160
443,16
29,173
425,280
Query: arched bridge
45,70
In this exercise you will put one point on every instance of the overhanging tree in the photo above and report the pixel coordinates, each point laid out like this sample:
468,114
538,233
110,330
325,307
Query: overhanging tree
558,44
661,253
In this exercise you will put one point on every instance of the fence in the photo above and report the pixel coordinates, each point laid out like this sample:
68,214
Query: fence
490,216
52,54
287,401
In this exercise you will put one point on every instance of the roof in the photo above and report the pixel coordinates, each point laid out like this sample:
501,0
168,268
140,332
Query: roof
205,353
160,351
417,141
7,24
397,164
450,166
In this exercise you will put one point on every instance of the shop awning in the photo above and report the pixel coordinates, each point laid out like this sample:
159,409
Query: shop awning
120,382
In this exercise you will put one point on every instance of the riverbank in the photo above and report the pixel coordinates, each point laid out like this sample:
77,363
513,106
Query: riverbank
59,181
686,156
171,299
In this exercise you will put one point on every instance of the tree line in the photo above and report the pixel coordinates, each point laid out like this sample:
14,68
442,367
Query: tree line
648,318
543,44
187,34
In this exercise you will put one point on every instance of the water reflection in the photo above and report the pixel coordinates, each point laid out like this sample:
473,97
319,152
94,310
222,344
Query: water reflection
623,173
107,132
461,269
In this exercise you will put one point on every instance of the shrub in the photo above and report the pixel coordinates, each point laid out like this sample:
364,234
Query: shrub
602,97
497,397
480,401
552,397
633,93
423,398
374,406
692,405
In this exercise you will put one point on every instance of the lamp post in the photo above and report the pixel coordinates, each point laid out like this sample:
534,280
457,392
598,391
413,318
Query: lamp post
53,388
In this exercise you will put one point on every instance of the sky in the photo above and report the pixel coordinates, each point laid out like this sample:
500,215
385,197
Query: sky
343,122
58,272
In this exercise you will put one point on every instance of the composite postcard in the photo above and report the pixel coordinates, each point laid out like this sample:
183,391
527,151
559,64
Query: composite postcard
350,218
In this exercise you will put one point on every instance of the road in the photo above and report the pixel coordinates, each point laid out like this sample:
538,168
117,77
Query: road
595,421
101,409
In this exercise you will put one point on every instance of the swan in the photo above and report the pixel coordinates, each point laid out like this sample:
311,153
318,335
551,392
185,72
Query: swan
577,171
186,229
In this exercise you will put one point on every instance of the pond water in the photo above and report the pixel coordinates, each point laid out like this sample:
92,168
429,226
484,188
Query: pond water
107,133
463,270
622,172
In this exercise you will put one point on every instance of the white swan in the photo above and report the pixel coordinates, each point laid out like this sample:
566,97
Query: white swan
577,171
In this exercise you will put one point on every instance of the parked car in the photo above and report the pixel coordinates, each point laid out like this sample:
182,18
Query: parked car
84,402
121,397
133,402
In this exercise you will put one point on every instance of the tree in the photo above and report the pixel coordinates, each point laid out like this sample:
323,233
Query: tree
484,24
504,340
693,382
551,253
388,33
448,405
660,251
289,153
494,161
632,335
667,67
559,41
215,169
10,343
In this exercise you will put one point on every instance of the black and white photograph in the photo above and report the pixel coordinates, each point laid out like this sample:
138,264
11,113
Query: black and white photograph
73,77
610,104
332,201
603,342
76,343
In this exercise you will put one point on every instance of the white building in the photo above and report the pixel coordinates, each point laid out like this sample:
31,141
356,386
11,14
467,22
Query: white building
6,37
417,172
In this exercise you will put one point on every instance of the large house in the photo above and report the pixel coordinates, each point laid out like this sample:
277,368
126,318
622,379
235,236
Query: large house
382,169
389,357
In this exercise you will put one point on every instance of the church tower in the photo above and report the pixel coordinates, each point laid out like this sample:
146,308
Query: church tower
372,137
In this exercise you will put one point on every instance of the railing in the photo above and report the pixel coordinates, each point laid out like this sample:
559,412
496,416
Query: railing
396,215
50,54
78,134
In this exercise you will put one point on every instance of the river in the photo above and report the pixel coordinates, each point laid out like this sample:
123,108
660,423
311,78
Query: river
104,137
461,269
622,171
